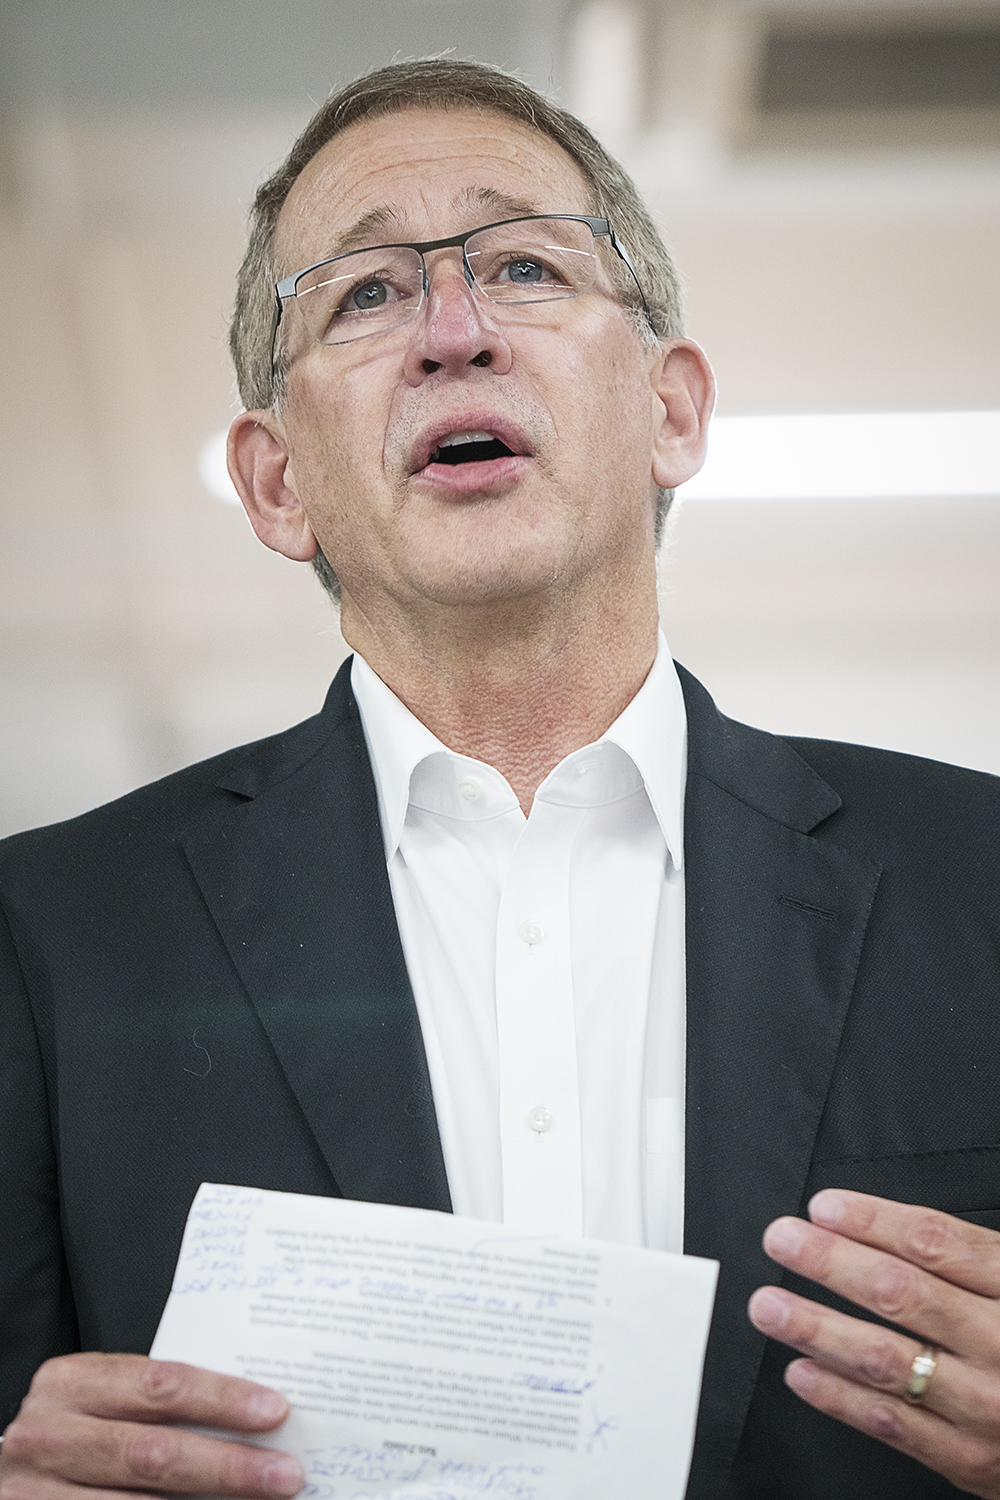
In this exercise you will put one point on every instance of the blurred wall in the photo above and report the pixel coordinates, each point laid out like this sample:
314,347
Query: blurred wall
841,263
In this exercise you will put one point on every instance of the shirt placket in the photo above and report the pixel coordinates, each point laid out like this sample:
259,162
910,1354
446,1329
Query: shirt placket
536,1030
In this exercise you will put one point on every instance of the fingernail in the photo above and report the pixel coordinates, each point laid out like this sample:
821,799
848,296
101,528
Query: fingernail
801,1376
828,1207
768,1310
267,1407
284,1476
785,1236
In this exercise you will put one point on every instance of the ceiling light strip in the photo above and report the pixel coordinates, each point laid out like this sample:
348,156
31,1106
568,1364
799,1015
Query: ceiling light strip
873,455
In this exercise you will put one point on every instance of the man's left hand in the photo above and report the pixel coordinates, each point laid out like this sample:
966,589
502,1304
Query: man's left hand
925,1271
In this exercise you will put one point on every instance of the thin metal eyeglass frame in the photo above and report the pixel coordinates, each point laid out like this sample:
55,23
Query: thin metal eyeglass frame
599,228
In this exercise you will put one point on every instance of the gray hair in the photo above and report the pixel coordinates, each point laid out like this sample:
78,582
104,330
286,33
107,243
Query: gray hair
445,83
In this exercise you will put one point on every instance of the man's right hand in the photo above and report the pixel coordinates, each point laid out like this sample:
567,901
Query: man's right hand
107,1422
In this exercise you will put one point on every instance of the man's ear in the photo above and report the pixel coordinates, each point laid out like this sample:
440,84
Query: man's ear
260,469
684,397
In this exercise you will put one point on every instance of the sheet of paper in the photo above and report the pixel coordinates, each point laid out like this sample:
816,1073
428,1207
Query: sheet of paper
429,1357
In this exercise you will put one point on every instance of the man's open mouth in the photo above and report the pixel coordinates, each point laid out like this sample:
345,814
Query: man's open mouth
469,448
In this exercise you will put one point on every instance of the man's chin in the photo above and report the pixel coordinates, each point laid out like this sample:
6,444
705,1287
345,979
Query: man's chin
503,559
486,586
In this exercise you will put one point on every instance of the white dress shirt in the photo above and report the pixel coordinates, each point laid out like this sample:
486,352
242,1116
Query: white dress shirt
546,956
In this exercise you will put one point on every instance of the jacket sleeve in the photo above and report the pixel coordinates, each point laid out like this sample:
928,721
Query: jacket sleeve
37,1317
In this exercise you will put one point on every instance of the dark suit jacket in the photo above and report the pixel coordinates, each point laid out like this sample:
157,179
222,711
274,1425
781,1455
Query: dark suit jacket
204,980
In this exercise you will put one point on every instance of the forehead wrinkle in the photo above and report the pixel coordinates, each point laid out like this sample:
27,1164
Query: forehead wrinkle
388,220
385,219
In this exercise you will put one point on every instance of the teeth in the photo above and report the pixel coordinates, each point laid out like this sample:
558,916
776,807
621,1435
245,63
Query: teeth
454,438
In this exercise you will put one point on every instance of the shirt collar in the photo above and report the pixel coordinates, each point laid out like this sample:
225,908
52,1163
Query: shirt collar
651,731
397,743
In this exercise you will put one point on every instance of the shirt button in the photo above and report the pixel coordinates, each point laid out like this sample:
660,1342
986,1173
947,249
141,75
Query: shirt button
530,933
540,1119
470,789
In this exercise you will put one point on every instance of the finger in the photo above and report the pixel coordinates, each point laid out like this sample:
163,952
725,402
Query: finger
967,1459
875,1357
134,1456
861,1351
935,1311
132,1387
42,1487
965,1254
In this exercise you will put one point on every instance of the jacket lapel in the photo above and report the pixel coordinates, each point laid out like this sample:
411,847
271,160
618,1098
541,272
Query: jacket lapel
775,921
292,869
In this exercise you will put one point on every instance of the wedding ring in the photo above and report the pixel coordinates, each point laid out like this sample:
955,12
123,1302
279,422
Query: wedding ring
921,1370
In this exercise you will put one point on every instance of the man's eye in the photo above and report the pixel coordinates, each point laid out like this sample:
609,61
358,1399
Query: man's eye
366,298
525,272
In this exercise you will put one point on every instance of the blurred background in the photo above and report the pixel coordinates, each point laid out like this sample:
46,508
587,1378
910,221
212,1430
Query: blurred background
828,175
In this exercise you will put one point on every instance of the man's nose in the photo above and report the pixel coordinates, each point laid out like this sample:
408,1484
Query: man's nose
457,327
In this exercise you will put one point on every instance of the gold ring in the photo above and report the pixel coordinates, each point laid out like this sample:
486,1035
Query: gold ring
923,1367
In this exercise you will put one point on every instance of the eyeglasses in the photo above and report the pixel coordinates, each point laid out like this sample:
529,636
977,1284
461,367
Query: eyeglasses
514,263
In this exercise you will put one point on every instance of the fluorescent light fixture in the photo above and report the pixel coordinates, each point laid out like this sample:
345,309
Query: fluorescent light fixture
212,468
834,457
871,455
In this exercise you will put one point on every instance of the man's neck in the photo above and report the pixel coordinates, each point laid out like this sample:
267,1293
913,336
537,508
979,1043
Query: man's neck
518,695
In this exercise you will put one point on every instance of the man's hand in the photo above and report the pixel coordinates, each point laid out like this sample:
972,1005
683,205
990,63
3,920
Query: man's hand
104,1422
925,1271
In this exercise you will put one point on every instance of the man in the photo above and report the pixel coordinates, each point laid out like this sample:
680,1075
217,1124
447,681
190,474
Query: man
470,409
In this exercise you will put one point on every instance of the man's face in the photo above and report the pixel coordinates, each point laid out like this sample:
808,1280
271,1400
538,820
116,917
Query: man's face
566,386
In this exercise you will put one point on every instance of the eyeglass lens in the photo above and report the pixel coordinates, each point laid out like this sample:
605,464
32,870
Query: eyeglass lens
371,291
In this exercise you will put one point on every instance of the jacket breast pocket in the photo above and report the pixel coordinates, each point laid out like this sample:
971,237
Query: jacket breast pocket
964,1181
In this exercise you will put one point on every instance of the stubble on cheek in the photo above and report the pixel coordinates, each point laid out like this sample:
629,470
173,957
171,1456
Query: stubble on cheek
611,439
336,447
